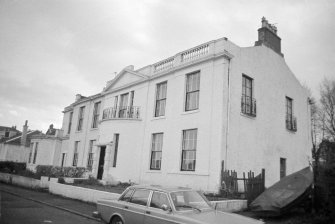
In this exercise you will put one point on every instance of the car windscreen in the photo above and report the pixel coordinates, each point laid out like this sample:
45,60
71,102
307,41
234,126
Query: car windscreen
188,200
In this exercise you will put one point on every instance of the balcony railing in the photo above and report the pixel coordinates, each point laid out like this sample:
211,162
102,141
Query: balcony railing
195,53
121,113
164,65
291,123
248,106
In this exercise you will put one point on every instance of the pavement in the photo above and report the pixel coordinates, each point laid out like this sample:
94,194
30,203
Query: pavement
69,205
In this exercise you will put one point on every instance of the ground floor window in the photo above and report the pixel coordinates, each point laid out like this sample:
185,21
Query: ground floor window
116,147
189,147
35,153
90,155
63,159
282,167
156,151
75,154
30,152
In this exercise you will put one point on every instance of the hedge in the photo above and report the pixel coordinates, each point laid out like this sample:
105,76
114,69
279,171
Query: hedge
12,167
57,171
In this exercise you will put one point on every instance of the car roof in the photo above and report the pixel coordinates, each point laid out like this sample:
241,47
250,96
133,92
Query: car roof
167,189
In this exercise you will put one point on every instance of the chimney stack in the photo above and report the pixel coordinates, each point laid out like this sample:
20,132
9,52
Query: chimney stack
24,133
267,35
78,97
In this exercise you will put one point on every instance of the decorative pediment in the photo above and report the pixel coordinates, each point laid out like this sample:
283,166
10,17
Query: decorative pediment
125,77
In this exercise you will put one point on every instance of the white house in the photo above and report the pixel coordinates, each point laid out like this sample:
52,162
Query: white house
174,122
45,148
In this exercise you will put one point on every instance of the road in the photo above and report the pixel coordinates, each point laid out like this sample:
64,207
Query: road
17,210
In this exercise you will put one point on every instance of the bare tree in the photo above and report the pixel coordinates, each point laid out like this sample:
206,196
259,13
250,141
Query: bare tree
327,109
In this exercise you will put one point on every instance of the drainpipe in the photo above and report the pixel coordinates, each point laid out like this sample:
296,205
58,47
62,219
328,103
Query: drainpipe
228,118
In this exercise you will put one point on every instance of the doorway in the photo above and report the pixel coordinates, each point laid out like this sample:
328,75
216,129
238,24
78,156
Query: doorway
101,162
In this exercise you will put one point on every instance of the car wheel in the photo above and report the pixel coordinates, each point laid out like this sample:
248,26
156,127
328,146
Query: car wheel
116,220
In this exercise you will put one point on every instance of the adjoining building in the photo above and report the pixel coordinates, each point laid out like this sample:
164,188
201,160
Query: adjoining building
177,121
16,148
45,148
8,132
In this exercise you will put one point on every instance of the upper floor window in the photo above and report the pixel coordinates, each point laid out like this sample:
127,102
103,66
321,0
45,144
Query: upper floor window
160,99
80,118
75,154
90,155
123,105
248,103
291,121
70,123
192,91
156,151
96,113
189,147
6,133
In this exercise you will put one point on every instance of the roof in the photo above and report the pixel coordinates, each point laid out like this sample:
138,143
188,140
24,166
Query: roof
8,129
83,99
18,137
168,189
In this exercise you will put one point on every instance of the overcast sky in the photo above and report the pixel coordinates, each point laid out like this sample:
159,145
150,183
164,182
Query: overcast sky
52,50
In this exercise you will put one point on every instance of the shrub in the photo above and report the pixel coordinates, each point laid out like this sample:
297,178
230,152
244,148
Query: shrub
90,181
61,180
28,173
12,167
57,171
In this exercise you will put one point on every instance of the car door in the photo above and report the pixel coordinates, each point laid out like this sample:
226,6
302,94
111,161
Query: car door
154,213
135,209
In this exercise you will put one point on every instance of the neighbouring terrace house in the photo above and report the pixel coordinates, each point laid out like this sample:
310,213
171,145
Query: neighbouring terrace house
16,148
45,148
175,122
8,132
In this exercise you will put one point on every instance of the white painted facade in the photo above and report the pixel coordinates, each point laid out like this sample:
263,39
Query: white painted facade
224,133
44,150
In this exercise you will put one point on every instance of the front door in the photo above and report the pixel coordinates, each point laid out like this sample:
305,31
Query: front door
101,162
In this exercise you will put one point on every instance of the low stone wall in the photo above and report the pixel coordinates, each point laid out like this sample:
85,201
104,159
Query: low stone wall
5,177
90,195
80,193
22,181
230,205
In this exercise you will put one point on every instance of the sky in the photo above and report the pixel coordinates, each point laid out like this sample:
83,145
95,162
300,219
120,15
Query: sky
51,50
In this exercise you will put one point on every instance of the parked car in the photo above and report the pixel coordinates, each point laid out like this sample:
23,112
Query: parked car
163,205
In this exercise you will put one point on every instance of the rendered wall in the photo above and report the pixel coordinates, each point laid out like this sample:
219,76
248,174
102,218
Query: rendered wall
260,142
15,153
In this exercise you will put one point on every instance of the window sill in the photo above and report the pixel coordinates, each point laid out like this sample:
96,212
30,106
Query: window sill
248,116
158,118
94,129
190,112
291,131
154,171
189,173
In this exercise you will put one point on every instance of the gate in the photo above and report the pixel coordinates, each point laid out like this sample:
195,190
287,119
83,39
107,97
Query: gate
252,185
